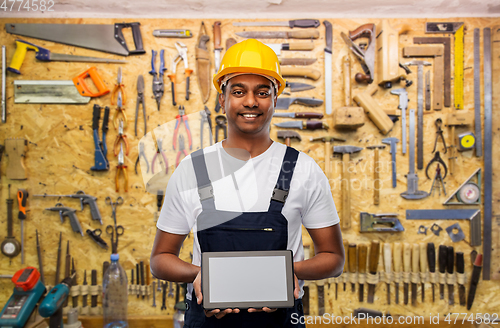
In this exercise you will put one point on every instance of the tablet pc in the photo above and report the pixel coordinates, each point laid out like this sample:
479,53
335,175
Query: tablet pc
247,279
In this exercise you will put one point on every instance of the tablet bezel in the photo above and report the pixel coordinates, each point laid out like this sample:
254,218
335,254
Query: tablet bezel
205,278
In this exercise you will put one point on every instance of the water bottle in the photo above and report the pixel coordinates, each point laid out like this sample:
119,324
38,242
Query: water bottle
115,295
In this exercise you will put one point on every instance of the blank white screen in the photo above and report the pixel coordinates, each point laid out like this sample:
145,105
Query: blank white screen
246,279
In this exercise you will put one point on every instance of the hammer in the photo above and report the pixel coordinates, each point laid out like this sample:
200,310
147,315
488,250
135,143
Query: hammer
287,135
346,182
327,140
376,170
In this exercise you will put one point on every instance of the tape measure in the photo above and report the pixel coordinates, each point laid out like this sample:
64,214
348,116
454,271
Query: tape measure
469,193
466,141
459,69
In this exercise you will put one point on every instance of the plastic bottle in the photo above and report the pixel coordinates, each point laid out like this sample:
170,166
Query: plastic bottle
115,295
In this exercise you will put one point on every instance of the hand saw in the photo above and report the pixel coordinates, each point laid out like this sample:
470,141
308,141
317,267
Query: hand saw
106,38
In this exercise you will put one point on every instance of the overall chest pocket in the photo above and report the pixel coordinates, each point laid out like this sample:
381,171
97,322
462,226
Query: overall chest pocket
254,231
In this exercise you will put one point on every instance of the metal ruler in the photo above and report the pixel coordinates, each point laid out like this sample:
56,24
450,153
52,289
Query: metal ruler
477,93
488,173
459,69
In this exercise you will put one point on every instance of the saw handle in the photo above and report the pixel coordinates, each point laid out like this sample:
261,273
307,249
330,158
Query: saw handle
415,258
362,256
397,257
82,87
17,60
352,258
374,257
136,33
362,31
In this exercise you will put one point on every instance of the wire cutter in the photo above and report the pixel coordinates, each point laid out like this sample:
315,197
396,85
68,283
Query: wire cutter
119,110
158,76
181,55
182,150
159,150
121,137
140,100
119,87
439,134
143,155
205,118
121,168
182,117
437,158
221,123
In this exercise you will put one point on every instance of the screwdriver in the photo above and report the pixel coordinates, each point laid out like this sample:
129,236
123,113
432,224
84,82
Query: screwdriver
22,196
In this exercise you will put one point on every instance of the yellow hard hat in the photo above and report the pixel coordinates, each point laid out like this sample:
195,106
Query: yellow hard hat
250,56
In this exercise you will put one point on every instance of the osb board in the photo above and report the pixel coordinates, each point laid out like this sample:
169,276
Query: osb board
60,154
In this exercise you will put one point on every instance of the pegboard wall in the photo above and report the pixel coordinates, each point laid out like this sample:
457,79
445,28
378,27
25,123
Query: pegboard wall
60,152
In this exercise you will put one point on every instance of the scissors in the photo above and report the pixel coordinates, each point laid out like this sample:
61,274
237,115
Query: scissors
115,230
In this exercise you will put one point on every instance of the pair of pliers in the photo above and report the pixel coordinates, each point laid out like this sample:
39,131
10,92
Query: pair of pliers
205,118
182,117
119,87
143,155
140,100
437,158
121,137
121,168
119,110
181,55
182,150
158,76
159,150
439,134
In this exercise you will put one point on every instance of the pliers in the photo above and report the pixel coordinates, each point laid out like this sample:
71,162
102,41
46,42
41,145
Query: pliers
159,151
439,134
119,87
182,150
158,76
119,110
181,55
437,158
121,168
182,117
140,100
121,137
221,123
143,155
205,118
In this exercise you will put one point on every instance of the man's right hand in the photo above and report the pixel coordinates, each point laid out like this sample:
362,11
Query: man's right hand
199,298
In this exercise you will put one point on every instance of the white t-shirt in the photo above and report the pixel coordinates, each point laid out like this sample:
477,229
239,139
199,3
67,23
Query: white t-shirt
247,186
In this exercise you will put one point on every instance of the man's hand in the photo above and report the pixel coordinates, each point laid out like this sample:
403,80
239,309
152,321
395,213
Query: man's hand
199,298
296,292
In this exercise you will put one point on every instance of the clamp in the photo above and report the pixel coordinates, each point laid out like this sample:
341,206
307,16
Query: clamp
437,158
180,118
182,150
121,168
439,134
140,100
159,150
121,137
205,118
181,55
221,123
143,155
119,88
119,110
158,76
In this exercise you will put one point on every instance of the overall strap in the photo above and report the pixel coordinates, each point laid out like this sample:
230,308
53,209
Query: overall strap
282,187
205,189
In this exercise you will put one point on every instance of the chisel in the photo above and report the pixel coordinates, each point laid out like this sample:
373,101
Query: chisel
131,287
40,260
397,268
461,277
137,281
423,268
362,256
352,266
346,267
372,267
58,262
84,295
148,280
415,272
406,270
93,298
143,283
67,268
442,260
320,284
474,280
431,259
451,277
388,269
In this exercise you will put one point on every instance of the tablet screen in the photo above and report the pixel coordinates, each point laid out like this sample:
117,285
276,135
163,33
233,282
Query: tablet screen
247,279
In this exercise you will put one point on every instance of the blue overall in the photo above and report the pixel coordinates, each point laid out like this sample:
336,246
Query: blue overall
248,231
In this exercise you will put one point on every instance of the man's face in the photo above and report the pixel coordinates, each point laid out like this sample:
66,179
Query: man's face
248,102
